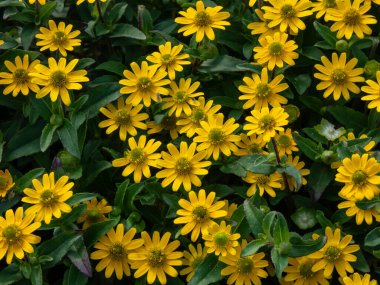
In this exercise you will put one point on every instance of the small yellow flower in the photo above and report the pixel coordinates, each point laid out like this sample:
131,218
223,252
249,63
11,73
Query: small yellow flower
41,2
351,136
168,123
198,213
300,166
89,1
261,28
58,38
356,279
202,21
1,42
321,7
6,182
192,259
230,209
251,3
373,93
285,143
16,234
169,59
94,213
252,144
263,183
360,214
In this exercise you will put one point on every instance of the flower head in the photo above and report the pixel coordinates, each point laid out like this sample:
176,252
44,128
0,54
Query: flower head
95,211
263,183
167,123
321,7
300,271
253,144
357,279
372,91
220,240
285,142
192,259
366,215
261,28
6,182
295,161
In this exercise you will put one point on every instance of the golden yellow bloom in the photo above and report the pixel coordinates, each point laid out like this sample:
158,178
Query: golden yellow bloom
252,144
356,279
276,50
215,136
360,214
260,92
220,240
350,18
156,258
125,117
285,142
373,93
230,209
144,84
58,38
200,112
198,213
168,123
1,42
202,21
261,28
351,136
299,272
266,122
41,2
182,97
182,166
244,270
169,59
19,78
321,7
94,213
300,166
263,182
338,77
16,234
287,14
138,158
336,253
89,1
378,3
192,259
114,249
48,198
6,182
251,3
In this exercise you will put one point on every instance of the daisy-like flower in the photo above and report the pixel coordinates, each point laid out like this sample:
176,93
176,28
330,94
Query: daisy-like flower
19,78
360,214
201,21
156,258
6,182
138,158
200,112
300,166
192,259
95,211
285,142
169,59
182,166
244,270
48,198
260,92
58,79
266,122
182,97
215,136
360,177
198,213
125,117
357,279
144,83
373,93
41,2
252,144
276,50
338,77
89,1
287,13
350,18
58,38
113,251
261,28
321,7
230,209
263,183
168,123
220,240
336,253
299,272
16,234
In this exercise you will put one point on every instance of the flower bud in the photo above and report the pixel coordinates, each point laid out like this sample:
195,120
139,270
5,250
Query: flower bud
341,46
371,68
293,112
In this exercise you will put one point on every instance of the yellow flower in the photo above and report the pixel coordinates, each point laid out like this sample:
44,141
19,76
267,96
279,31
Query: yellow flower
230,209
285,142
251,3
356,279
338,77
263,182
373,93
156,258
266,122
6,182
260,92
198,213
89,1
351,136
200,112
261,28
360,214
299,272
169,59
244,270
336,253
138,158
48,198
94,213
182,97
182,166
1,42
19,78
126,118
192,259
321,7
350,18
378,3
41,2
215,136
276,50
16,234
252,144
168,123
202,21
114,249
220,240
58,38
144,84
300,166
287,14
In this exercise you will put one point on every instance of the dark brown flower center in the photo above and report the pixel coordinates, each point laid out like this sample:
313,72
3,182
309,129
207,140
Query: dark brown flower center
332,254
94,215
305,269
262,180
267,122
3,183
200,214
181,97
11,234
137,155
202,19
216,136
275,48
167,59
123,117
284,141
58,79
262,90
59,38
351,17
156,258
359,177
20,76
245,265
183,166
144,84
198,115
117,251
288,11
169,123
47,197
339,76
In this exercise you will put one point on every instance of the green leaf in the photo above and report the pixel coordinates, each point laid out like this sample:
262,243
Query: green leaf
291,170
323,221
112,66
132,193
369,204
239,222
348,117
307,146
79,257
312,53
280,229
26,180
27,35
301,82
253,247
312,133
234,168
81,197
325,33
94,169
47,136
69,138
127,31
10,275
319,178
303,247
116,12
145,19
222,63
372,239
280,261
120,194
361,263
74,276
207,272
96,231
36,275
254,217
268,223
326,129
46,11
311,102
257,163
